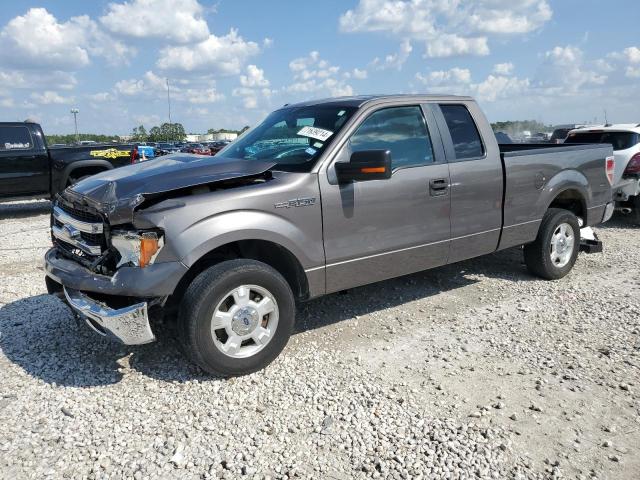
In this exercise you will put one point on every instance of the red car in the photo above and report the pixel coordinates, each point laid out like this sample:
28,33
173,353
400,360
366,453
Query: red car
196,148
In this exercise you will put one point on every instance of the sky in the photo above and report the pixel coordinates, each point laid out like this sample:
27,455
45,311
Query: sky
229,63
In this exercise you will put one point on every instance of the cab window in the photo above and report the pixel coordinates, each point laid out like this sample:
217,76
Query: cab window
401,130
464,133
15,138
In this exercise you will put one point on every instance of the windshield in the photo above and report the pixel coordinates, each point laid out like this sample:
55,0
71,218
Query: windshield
293,137
619,140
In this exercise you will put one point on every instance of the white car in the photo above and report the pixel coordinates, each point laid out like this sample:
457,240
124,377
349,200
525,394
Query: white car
625,139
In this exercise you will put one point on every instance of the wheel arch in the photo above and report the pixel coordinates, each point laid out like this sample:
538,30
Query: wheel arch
94,166
271,253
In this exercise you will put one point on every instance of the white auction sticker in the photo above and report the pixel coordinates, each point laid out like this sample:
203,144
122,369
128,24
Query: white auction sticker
314,132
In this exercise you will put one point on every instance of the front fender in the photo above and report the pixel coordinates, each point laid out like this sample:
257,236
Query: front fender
215,231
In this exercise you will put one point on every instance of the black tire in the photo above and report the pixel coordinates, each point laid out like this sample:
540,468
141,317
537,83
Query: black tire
202,297
537,255
635,210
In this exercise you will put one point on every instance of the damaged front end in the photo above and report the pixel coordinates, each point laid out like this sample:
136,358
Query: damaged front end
107,261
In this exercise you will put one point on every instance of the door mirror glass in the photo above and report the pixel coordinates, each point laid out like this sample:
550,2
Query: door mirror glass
365,165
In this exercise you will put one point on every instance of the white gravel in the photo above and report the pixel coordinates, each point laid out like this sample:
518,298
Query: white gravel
475,370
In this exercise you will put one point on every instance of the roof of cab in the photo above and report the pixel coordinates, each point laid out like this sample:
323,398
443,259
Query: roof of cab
360,100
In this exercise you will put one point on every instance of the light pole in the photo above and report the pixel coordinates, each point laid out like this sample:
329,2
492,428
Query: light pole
169,104
75,112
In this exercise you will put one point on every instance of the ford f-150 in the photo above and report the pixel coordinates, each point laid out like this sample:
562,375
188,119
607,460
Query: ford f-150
320,197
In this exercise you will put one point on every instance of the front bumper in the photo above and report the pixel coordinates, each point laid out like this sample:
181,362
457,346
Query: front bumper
129,325
157,280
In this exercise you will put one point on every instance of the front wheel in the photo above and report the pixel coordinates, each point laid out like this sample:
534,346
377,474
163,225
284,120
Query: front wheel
554,252
236,317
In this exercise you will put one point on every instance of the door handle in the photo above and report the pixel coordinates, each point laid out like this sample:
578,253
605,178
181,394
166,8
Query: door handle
438,187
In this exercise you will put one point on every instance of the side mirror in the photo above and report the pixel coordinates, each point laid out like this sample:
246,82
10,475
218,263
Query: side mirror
365,165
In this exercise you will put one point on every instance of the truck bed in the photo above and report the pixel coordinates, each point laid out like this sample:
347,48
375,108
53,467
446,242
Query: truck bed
530,171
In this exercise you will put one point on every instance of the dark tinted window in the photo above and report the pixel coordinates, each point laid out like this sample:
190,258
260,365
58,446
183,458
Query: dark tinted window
402,130
465,136
619,140
15,138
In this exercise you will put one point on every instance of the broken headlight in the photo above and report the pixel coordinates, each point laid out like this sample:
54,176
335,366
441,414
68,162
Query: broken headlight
137,248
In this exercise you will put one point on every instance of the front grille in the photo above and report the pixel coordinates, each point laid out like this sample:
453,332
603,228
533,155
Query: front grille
83,216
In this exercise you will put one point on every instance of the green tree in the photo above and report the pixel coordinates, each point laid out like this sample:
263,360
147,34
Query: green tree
139,134
167,132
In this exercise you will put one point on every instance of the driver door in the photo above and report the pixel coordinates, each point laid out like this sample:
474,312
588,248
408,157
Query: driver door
379,229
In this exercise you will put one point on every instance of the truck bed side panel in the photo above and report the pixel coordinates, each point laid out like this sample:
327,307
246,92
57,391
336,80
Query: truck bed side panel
534,178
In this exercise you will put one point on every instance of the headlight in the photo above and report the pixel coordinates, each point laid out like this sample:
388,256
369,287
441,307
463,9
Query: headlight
137,248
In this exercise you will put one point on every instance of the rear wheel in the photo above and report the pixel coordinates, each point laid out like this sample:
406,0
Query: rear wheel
554,252
236,317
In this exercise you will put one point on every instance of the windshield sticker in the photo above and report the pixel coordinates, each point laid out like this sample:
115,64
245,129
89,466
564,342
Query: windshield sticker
12,146
311,151
109,153
341,112
318,145
314,132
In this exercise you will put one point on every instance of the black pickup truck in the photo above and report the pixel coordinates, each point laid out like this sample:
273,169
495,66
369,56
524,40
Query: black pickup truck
30,169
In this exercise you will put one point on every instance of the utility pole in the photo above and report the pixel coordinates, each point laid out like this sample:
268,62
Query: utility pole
606,120
75,112
169,104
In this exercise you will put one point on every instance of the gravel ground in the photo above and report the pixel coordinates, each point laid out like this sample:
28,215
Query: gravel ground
474,370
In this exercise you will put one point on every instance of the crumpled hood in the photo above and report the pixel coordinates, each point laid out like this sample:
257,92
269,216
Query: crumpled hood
117,192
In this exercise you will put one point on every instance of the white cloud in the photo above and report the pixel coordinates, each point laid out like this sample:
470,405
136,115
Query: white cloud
448,28
564,71
49,97
496,87
313,75
630,59
216,55
196,90
175,20
394,60
451,45
38,40
455,76
359,74
458,81
254,77
503,68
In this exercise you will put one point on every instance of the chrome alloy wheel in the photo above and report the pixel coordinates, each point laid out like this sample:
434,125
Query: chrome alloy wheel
562,243
244,321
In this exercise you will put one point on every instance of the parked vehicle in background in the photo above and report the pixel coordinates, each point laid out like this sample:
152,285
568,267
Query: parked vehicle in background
540,137
31,169
215,147
195,148
502,137
165,149
625,139
320,197
560,132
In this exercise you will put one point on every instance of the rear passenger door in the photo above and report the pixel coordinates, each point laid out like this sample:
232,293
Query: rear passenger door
475,169
24,163
379,229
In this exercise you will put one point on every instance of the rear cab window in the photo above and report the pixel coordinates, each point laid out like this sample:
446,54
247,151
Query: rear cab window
15,138
619,140
467,143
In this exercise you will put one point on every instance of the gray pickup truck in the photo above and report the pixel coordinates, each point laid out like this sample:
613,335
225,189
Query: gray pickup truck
320,197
